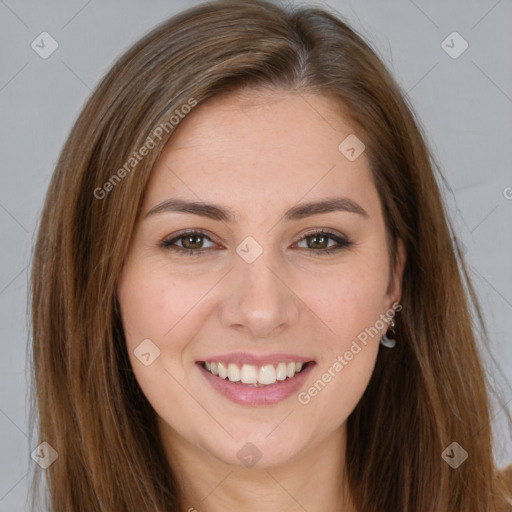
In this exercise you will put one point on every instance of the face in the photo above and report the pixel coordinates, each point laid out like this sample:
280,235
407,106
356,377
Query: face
254,279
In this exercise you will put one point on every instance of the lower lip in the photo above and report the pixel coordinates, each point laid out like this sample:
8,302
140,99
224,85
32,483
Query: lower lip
265,395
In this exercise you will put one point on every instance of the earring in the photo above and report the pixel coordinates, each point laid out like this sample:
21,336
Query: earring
384,340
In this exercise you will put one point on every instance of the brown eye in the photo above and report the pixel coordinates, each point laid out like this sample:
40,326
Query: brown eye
318,241
191,242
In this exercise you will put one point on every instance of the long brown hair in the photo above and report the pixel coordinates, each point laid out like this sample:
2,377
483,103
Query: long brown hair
430,391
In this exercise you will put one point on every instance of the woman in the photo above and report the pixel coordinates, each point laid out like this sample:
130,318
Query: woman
245,290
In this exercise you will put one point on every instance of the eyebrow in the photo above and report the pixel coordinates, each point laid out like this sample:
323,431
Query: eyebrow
217,212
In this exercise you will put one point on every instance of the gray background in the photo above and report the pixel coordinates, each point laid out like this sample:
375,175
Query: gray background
465,105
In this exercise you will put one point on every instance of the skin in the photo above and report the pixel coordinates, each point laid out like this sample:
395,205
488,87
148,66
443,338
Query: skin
258,153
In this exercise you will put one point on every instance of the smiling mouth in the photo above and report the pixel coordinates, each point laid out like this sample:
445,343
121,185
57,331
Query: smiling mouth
253,375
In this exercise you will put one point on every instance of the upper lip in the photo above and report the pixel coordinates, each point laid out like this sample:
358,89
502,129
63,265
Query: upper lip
257,360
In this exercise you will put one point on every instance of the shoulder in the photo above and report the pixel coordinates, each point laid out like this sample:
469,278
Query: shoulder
503,486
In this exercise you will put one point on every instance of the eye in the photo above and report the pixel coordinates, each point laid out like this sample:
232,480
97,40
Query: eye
320,242
192,242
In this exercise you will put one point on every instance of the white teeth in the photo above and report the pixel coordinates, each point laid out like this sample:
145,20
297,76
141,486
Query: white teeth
267,374
281,371
233,372
251,374
222,370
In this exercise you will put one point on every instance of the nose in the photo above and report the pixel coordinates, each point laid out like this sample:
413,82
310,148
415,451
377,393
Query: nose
258,300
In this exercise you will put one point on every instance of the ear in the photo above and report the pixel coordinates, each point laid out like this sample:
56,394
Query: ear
394,291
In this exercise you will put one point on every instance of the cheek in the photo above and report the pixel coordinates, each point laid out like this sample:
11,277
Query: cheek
154,308
154,304
348,301
350,305
144,303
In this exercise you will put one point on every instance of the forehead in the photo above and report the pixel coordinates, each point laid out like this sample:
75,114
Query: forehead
266,148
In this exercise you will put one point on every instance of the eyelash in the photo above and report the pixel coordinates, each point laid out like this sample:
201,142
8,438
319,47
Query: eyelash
167,243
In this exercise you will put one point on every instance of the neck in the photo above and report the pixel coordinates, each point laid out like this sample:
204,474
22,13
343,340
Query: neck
314,480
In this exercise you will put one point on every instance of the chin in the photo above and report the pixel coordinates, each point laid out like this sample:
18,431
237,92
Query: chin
250,450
